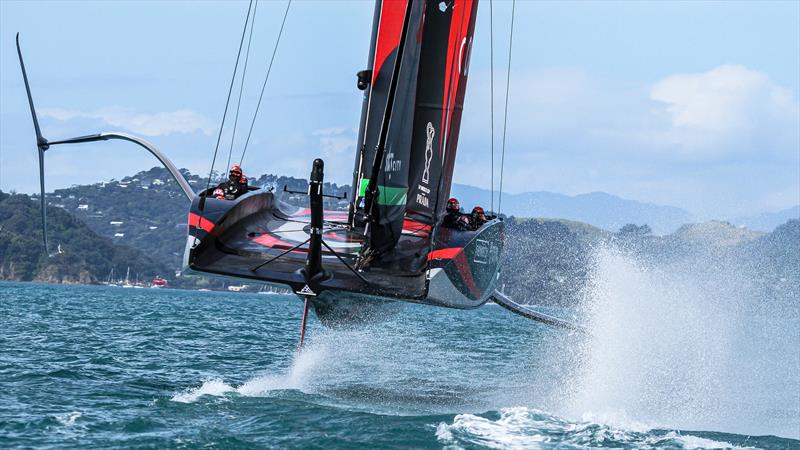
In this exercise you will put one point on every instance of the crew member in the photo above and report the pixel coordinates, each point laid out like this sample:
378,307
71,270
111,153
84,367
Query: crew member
477,218
453,217
234,187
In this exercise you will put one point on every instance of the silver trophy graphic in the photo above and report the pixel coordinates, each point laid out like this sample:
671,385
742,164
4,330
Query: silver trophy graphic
428,153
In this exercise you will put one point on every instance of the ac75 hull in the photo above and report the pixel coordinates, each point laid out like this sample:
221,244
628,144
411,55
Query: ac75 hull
442,267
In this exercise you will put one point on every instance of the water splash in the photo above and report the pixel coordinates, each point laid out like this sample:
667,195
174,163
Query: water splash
68,419
523,428
214,387
687,345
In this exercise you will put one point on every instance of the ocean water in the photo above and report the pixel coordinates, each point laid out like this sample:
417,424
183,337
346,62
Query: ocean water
102,367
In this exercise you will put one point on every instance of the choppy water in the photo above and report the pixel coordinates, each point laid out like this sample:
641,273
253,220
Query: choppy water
86,367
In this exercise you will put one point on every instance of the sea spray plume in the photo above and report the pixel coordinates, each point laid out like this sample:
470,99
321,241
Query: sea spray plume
296,377
682,340
392,367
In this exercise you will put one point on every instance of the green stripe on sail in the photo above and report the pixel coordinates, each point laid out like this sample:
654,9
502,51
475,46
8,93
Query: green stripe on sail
387,195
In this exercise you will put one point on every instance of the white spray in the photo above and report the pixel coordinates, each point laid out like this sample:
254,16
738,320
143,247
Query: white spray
687,345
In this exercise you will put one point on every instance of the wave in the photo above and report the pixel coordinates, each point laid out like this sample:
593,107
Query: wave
524,428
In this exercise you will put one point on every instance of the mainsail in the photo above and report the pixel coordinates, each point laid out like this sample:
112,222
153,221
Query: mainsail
416,170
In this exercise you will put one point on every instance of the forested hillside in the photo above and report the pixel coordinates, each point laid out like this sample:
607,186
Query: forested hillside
84,256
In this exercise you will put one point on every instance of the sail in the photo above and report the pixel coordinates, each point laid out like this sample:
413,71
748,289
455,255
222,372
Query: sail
416,169
392,183
446,48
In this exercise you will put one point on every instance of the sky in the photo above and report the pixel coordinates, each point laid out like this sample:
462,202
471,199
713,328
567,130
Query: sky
690,104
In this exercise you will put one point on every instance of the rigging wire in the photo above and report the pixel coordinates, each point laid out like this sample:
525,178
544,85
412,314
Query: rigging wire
227,102
241,84
266,78
505,112
491,94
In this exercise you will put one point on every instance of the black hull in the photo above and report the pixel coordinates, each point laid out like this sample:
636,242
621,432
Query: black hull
233,238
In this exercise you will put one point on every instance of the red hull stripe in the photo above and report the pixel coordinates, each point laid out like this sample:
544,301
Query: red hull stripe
198,221
459,258
466,274
392,14
268,240
445,253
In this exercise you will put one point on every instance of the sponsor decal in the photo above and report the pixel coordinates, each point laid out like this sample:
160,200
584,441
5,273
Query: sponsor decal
392,165
486,252
481,251
306,291
422,199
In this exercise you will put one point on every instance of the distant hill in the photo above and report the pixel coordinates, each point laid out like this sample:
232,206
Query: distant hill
597,208
716,233
768,221
85,257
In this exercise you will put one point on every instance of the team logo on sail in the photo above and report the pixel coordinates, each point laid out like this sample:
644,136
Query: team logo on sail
423,191
426,174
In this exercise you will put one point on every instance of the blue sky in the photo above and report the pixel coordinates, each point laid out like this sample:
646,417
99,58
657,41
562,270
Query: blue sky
692,104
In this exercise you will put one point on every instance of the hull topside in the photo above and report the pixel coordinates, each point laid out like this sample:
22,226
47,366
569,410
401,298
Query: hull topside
442,267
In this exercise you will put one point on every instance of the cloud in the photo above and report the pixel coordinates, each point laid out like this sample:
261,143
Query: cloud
728,109
729,112
334,141
157,124
715,141
337,146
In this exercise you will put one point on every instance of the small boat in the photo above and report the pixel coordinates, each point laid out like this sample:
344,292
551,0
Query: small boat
268,289
127,284
137,284
158,282
240,288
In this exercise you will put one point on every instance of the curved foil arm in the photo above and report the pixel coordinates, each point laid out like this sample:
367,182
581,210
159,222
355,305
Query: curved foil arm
176,174
529,313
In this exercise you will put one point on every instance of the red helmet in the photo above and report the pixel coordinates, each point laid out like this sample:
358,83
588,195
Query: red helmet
478,211
453,205
236,171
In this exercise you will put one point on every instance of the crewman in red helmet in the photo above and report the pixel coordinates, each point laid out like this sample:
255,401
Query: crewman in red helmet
453,217
477,218
234,187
